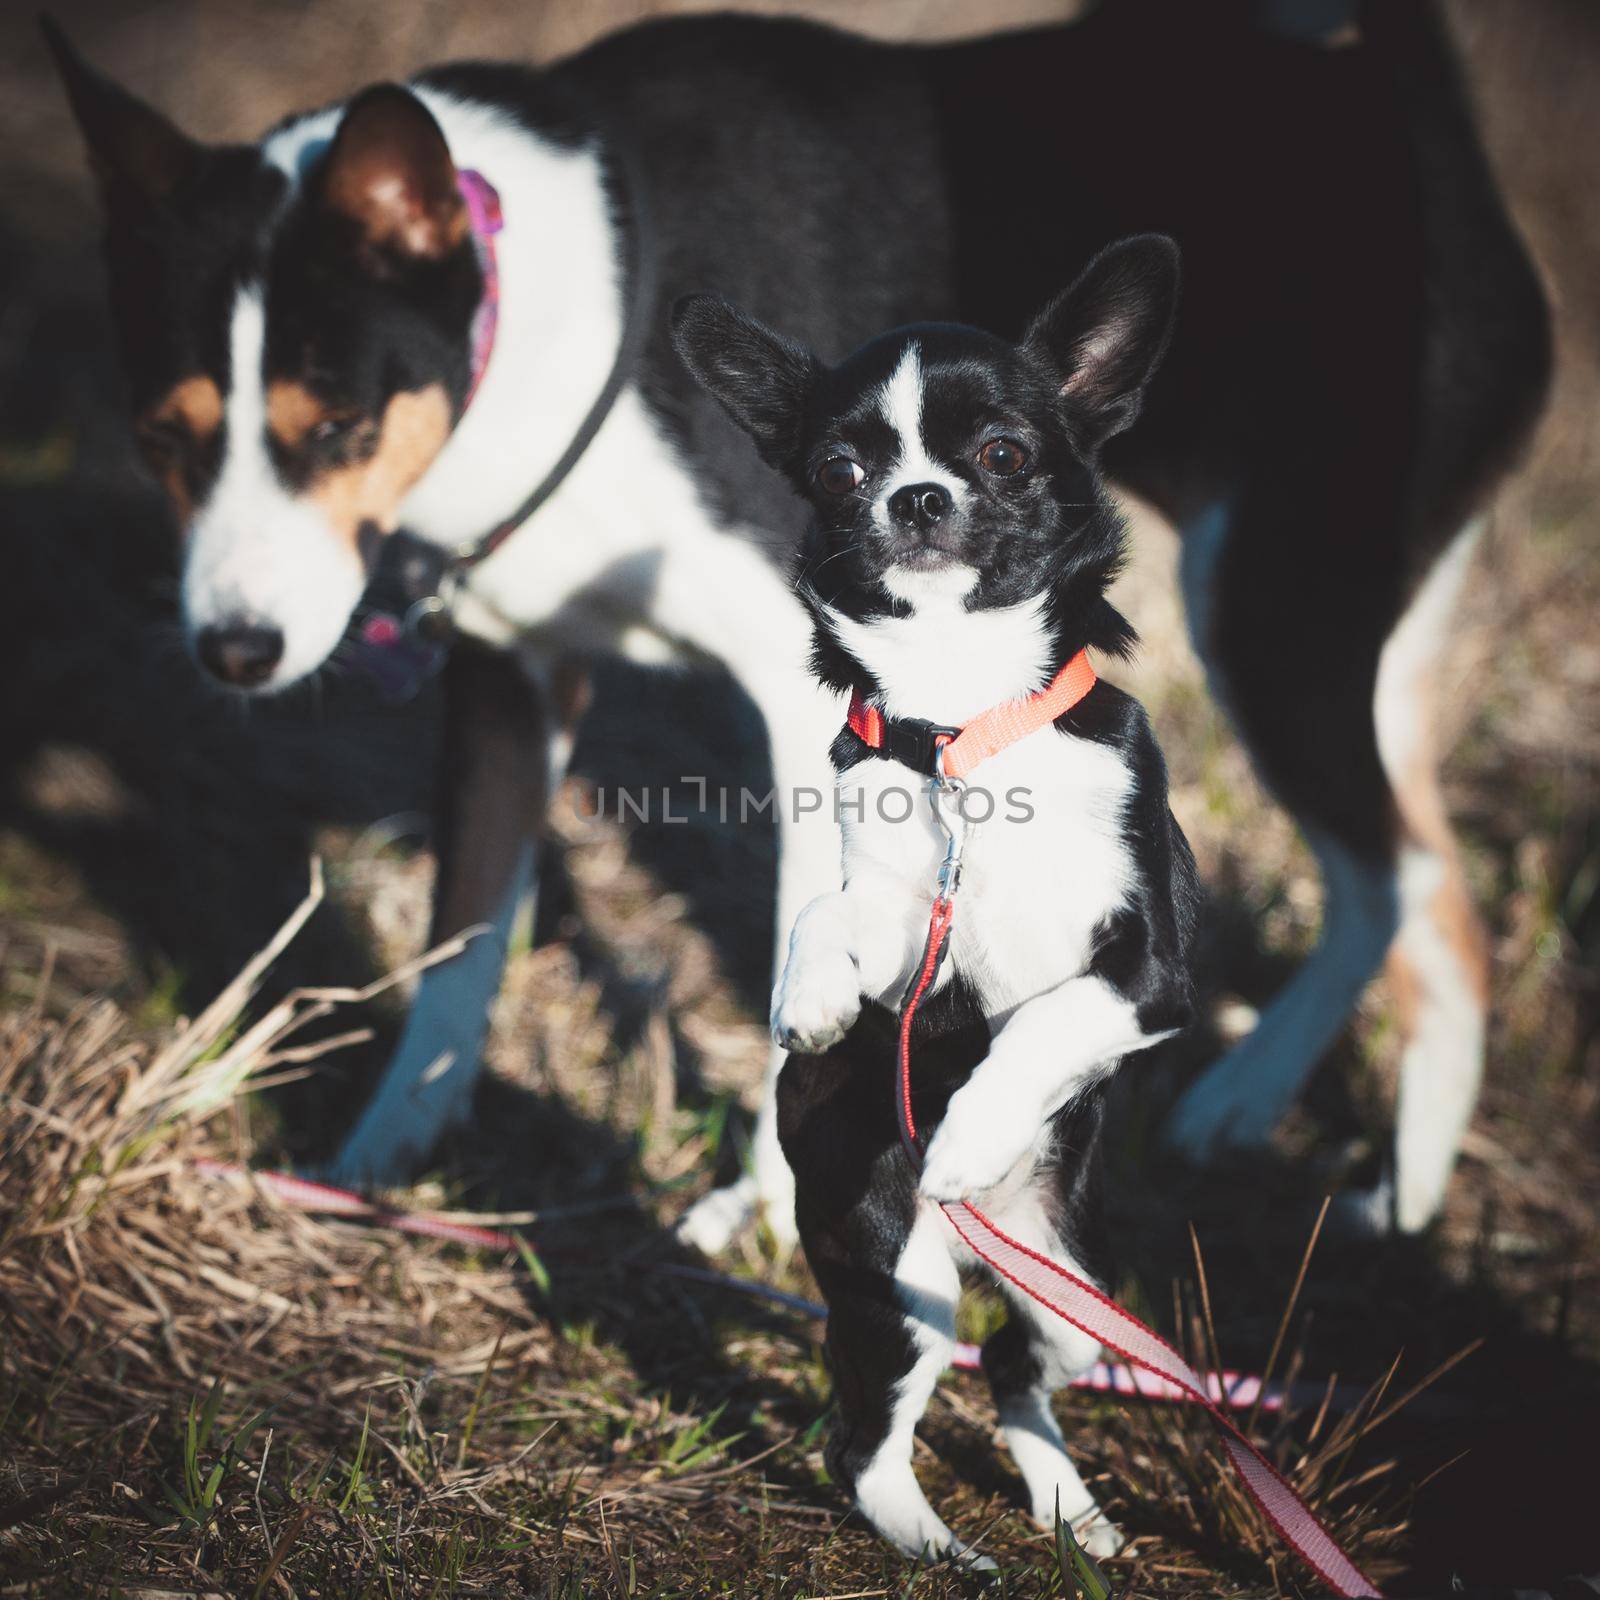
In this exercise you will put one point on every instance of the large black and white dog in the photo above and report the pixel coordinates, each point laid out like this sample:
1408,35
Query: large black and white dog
1361,353
958,558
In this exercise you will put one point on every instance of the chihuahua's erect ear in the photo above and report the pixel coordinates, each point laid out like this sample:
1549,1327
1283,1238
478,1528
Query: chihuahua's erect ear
761,379
1105,336
137,155
389,172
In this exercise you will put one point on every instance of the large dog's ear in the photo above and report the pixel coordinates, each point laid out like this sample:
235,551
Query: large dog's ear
389,172
761,379
1105,336
135,152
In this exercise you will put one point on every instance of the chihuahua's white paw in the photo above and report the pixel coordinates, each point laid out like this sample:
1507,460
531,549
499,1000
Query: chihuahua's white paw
980,1140
817,1000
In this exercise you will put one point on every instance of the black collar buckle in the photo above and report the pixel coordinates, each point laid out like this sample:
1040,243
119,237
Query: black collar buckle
914,742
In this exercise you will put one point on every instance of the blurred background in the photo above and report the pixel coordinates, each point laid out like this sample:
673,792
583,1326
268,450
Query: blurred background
153,834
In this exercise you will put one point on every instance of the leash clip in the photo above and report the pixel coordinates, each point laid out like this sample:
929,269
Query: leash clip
946,794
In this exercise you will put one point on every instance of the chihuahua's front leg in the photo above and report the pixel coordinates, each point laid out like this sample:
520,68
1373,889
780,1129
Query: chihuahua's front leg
1048,1050
858,942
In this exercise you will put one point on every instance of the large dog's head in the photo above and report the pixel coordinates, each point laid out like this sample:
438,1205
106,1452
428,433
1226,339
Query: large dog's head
942,463
297,343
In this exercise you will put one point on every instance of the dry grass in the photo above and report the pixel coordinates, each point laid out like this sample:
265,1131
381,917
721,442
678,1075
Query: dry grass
203,1392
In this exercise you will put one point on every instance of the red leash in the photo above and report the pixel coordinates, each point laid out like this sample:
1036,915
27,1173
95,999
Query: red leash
1072,1298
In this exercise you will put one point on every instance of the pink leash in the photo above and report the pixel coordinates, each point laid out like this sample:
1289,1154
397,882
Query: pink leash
1236,1389
1076,1301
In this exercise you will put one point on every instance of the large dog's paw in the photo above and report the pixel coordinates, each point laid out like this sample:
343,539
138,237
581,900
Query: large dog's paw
817,999
1364,1214
711,1223
1225,1108
982,1137
1099,1535
398,1130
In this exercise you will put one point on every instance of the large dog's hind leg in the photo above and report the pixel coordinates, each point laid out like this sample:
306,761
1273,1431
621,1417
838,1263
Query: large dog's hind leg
1333,553
503,734
1439,965
1364,787
1325,768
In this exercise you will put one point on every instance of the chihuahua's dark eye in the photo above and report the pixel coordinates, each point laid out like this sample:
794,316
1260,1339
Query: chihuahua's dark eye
1002,458
839,475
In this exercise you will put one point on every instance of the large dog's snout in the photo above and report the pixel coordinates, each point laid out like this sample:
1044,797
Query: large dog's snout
919,506
239,653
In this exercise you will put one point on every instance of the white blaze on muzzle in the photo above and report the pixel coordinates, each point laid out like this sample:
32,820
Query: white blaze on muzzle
900,400
256,554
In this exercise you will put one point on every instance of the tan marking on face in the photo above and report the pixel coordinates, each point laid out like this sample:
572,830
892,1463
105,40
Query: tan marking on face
293,411
196,402
194,406
415,425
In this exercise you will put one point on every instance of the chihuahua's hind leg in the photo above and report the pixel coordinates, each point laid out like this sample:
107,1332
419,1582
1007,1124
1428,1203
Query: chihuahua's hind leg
1034,1354
887,1351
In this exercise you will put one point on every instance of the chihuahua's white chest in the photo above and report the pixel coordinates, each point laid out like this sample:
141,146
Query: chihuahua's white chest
1045,859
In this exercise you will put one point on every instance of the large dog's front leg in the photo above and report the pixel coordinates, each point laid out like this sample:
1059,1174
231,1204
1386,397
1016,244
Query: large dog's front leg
495,775
801,722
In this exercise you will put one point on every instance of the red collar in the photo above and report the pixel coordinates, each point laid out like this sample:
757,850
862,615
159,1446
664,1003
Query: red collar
484,216
917,743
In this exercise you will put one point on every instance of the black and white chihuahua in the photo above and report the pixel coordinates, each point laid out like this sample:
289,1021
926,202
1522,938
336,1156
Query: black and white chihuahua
958,558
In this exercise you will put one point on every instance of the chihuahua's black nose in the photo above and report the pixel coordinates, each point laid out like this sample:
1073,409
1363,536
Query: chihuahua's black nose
240,653
919,505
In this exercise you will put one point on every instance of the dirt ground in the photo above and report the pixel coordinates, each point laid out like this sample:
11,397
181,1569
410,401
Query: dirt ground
612,1430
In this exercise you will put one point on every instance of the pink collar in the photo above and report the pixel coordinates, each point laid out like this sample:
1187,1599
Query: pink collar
486,220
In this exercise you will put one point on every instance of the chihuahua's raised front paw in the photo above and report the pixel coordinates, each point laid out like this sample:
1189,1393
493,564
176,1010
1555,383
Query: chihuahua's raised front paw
817,1001
977,1144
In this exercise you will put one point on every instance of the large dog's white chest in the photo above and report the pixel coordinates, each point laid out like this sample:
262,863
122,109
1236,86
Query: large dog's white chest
1045,860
